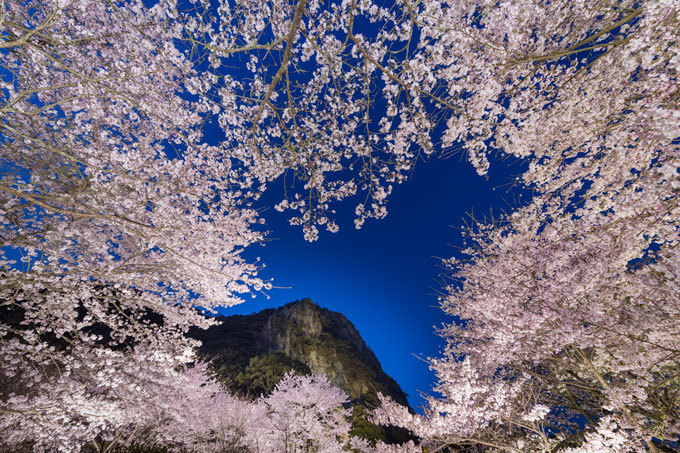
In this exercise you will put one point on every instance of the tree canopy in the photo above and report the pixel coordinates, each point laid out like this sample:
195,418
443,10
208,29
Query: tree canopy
136,136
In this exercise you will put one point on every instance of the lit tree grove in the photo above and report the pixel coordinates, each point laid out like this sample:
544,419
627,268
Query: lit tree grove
136,138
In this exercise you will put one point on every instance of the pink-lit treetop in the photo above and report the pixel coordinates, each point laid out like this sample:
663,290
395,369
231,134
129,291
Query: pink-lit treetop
302,414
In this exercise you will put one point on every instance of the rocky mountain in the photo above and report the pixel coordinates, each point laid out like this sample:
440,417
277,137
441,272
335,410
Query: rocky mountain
251,353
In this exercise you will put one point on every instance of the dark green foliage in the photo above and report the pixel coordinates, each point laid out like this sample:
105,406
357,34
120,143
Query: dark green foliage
397,435
231,344
263,372
361,427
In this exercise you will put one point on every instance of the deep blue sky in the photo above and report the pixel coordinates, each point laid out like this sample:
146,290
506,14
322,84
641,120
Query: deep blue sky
384,277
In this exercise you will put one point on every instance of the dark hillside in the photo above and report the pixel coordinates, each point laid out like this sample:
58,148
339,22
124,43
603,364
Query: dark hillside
252,352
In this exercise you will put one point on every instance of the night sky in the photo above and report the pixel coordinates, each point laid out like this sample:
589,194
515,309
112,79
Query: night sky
385,277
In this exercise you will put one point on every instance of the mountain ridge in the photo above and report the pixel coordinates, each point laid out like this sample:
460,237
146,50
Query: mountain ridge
251,352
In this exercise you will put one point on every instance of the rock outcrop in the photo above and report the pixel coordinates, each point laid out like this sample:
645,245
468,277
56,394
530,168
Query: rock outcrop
251,352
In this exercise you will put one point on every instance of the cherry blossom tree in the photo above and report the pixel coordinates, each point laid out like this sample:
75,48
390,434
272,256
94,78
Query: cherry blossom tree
96,397
306,108
192,412
304,414
113,208
567,308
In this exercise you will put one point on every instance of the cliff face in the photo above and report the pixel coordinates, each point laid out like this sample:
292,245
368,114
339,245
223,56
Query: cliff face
252,352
